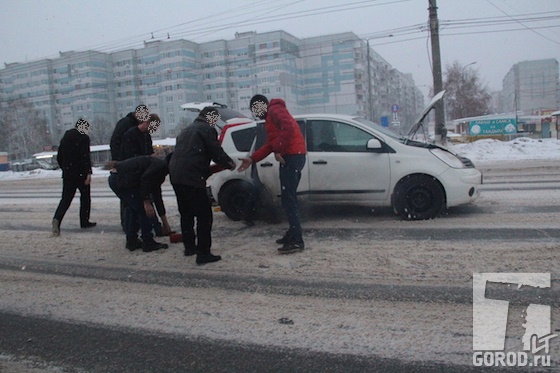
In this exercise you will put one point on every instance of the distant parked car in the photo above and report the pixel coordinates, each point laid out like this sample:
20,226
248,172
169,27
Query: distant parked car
350,160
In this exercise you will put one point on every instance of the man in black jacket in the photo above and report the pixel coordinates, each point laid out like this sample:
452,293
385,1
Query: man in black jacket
74,159
189,168
138,140
141,114
131,120
134,181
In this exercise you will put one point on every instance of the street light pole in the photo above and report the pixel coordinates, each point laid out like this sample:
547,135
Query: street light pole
370,105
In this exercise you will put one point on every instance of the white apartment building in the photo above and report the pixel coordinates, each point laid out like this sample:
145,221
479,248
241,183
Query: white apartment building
532,87
320,74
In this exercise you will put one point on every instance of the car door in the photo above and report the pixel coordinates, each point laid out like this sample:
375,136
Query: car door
341,168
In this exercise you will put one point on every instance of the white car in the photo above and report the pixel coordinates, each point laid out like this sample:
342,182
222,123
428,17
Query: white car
350,160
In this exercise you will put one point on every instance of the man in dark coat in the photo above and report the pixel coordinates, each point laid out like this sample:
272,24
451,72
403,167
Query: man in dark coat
141,114
189,168
74,159
138,140
131,120
134,181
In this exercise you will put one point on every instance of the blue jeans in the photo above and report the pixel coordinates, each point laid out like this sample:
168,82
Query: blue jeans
290,175
134,211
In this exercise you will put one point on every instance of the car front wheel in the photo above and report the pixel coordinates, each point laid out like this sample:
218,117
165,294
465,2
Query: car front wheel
418,197
237,200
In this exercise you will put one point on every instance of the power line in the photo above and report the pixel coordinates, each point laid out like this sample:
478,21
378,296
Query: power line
528,28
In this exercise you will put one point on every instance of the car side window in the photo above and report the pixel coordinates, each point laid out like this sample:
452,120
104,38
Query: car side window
243,139
332,136
261,135
261,132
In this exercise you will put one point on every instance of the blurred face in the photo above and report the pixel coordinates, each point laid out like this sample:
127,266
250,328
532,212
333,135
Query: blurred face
259,109
142,114
153,126
83,126
212,118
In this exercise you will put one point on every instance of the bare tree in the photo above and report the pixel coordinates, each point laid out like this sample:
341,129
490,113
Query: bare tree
101,131
465,94
27,132
4,135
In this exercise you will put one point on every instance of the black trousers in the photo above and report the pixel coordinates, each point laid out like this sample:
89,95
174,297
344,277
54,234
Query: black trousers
69,186
194,203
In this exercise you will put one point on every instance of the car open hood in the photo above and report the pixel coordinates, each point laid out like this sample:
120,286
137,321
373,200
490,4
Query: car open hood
419,122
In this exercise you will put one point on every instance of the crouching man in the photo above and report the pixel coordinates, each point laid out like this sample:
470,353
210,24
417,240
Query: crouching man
134,181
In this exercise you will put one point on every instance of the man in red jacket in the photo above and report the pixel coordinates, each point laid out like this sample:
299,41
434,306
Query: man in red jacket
285,140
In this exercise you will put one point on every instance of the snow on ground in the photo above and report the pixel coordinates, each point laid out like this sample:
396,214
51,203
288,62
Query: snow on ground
424,331
522,148
480,152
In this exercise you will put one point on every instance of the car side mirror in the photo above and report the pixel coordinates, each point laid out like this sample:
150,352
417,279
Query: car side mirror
374,145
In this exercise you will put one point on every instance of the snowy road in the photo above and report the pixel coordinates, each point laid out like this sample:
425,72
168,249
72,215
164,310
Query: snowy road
371,292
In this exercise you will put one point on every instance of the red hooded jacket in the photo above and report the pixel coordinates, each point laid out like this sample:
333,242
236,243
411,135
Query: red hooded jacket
283,134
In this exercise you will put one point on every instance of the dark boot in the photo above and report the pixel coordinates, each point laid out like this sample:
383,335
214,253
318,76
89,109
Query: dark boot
133,244
292,247
284,240
89,224
203,258
189,251
151,245
55,228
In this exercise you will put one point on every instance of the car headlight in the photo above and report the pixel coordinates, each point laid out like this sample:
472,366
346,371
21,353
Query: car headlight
449,158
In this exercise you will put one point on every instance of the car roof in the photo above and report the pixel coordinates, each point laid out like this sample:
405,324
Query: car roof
198,106
325,115
319,116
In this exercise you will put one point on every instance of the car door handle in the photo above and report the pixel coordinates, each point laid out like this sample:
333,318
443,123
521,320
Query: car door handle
320,162
267,164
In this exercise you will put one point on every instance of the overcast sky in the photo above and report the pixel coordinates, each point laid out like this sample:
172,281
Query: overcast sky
493,33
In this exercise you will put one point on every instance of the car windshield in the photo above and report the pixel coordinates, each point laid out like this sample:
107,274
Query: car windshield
227,114
377,127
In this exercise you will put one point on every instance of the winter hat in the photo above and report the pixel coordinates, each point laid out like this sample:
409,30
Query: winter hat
209,114
259,106
83,126
142,113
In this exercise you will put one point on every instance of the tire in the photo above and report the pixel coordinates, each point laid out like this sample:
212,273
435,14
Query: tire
418,197
238,199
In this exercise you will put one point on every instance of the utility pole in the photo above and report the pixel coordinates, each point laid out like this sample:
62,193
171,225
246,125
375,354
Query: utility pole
370,106
440,130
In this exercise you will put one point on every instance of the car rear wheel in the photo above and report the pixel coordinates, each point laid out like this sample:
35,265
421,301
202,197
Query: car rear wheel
237,200
418,197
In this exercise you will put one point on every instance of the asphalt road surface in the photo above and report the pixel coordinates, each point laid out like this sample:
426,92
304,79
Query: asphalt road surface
370,292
